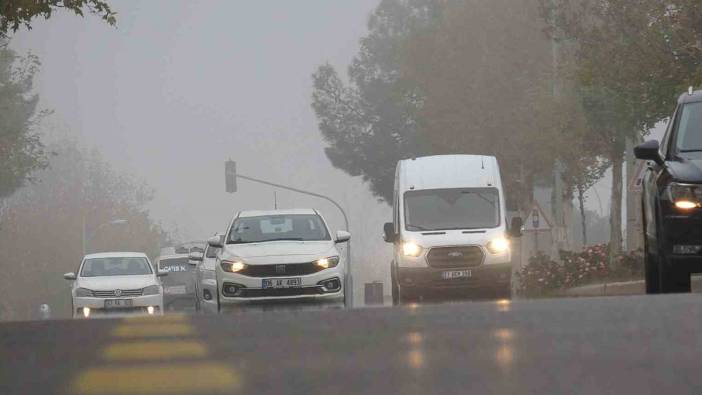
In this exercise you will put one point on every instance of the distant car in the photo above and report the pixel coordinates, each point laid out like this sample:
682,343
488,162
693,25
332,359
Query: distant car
672,200
116,283
179,287
279,255
205,278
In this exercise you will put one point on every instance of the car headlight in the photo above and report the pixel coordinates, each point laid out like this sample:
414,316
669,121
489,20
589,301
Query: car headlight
152,290
326,263
498,245
685,196
83,292
233,266
411,249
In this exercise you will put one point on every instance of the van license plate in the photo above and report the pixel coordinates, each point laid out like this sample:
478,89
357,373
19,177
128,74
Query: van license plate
456,274
117,303
281,283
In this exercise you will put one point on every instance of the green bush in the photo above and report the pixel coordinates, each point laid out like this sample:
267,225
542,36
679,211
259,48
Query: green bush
543,276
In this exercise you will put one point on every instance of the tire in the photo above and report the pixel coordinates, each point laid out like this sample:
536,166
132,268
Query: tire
674,280
651,262
395,288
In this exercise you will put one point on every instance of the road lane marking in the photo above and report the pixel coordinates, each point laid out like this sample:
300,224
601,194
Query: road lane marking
207,377
152,330
156,319
154,350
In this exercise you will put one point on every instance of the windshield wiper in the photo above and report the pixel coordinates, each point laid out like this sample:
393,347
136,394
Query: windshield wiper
285,239
691,150
417,227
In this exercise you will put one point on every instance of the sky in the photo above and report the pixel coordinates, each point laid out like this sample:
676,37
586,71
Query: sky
178,87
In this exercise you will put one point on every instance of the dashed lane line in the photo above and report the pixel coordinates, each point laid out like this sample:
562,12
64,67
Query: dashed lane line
200,377
152,330
154,350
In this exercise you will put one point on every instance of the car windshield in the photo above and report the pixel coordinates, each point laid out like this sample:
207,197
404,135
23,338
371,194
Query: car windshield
444,209
115,266
689,128
297,227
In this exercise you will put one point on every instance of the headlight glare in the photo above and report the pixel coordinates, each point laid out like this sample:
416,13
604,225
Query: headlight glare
83,293
411,249
233,266
152,290
685,197
326,263
498,246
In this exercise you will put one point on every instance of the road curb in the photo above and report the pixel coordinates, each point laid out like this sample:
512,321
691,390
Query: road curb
621,288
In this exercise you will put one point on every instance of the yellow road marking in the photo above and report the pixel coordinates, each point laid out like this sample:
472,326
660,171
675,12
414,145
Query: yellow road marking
158,379
154,350
155,319
152,330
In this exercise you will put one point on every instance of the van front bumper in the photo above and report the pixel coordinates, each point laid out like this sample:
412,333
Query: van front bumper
492,276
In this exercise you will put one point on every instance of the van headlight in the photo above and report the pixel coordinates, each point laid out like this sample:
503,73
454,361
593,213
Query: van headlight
83,293
152,290
411,249
326,263
685,196
232,266
498,245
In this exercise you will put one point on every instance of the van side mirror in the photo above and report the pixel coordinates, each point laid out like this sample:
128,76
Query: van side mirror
515,228
215,241
389,234
195,257
342,236
70,276
649,150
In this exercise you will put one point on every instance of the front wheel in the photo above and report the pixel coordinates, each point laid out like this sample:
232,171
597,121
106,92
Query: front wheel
651,262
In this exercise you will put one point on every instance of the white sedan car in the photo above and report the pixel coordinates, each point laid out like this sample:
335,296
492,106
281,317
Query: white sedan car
279,255
116,283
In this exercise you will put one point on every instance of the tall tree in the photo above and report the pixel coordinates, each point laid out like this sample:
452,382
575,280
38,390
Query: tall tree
371,123
632,58
17,13
21,151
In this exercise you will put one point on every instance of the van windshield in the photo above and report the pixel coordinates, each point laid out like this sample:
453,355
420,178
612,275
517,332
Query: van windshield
457,208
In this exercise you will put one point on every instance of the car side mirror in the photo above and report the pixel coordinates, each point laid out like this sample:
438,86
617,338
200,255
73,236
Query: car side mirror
649,150
161,273
195,257
515,228
389,234
342,236
70,276
215,241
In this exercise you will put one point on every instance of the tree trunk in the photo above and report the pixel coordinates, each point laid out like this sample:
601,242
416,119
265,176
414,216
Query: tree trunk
581,201
615,215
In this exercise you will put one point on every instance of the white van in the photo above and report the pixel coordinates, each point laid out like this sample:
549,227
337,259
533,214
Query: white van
449,227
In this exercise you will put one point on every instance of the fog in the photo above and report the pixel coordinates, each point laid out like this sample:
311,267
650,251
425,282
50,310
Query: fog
179,87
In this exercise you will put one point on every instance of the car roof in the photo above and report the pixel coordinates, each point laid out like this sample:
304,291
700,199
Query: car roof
292,211
116,255
686,97
448,171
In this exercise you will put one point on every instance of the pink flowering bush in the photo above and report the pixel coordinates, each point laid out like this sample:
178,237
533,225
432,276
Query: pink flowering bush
544,276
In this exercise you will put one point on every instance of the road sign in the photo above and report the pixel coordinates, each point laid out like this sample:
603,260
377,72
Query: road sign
230,176
537,221
636,182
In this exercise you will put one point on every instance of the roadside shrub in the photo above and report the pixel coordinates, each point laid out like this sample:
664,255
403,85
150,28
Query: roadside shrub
543,276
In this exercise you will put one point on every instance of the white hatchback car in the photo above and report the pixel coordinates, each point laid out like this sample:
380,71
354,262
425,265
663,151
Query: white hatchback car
116,283
279,255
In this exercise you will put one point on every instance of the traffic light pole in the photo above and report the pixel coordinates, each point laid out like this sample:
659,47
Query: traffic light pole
348,293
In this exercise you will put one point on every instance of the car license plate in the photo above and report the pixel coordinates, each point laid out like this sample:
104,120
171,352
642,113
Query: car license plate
281,283
456,274
117,303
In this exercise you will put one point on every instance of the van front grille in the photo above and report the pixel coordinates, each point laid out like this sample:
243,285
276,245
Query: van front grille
453,257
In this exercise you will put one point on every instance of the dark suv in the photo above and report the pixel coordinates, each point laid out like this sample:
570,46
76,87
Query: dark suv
672,200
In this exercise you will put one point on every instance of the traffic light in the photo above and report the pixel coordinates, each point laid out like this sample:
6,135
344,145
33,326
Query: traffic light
230,176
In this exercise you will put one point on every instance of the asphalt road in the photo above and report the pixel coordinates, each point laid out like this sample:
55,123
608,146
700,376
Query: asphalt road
617,345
